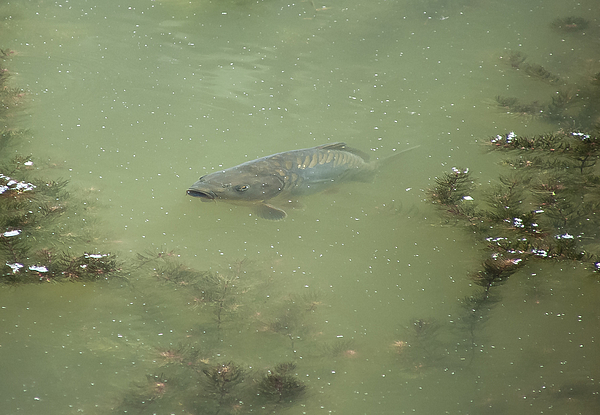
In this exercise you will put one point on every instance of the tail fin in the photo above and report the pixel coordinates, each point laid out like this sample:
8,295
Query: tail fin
386,161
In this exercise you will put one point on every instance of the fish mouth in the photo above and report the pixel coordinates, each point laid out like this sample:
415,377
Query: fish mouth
205,195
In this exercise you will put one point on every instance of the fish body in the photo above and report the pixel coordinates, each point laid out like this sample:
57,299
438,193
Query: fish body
283,175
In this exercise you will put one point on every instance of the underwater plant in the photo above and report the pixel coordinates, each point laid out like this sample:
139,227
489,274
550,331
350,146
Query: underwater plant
29,210
180,354
574,104
512,105
288,323
219,290
85,267
221,380
143,395
545,209
452,188
10,97
476,311
33,235
174,272
541,73
495,271
289,317
569,24
339,348
419,346
452,191
517,61
280,384
514,58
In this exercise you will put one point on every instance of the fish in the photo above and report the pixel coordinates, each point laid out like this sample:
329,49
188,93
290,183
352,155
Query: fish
261,183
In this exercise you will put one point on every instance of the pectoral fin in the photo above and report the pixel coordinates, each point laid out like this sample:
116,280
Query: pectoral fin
270,212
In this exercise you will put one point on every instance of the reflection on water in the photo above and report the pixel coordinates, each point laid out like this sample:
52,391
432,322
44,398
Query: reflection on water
356,302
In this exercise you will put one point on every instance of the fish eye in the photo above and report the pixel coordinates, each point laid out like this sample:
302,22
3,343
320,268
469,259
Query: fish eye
242,187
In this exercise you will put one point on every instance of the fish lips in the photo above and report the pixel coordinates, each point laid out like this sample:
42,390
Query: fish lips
204,195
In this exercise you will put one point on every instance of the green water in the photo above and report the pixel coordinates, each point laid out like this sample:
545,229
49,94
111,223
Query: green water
132,102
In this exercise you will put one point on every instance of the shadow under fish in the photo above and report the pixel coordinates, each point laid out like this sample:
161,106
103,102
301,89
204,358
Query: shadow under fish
260,183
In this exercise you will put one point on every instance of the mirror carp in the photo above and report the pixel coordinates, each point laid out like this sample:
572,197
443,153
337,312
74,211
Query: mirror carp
261,182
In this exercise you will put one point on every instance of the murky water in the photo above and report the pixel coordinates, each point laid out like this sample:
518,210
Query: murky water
132,102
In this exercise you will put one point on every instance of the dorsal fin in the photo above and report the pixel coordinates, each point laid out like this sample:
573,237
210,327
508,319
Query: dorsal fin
341,146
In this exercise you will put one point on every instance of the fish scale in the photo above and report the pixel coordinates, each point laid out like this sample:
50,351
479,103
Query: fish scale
310,167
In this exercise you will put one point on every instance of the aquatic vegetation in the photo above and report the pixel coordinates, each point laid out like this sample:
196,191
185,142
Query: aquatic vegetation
85,267
541,73
9,136
569,24
280,384
310,299
177,273
567,392
560,102
546,209
32,239
10,97
495,271
339,348
399,346
289,324
29,209
452,191
289,318
5,53
181,354
512,105
149,256
419,346
551,194
452,188
576,105
513,58
219,290
221,380
145,394
517,61
477,310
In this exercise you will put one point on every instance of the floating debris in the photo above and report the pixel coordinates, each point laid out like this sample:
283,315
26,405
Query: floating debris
7,185
38,268
15,266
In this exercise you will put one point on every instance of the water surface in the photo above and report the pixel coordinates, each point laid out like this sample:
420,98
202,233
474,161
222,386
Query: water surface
133,102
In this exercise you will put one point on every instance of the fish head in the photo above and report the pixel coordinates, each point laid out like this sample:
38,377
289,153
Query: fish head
234,186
